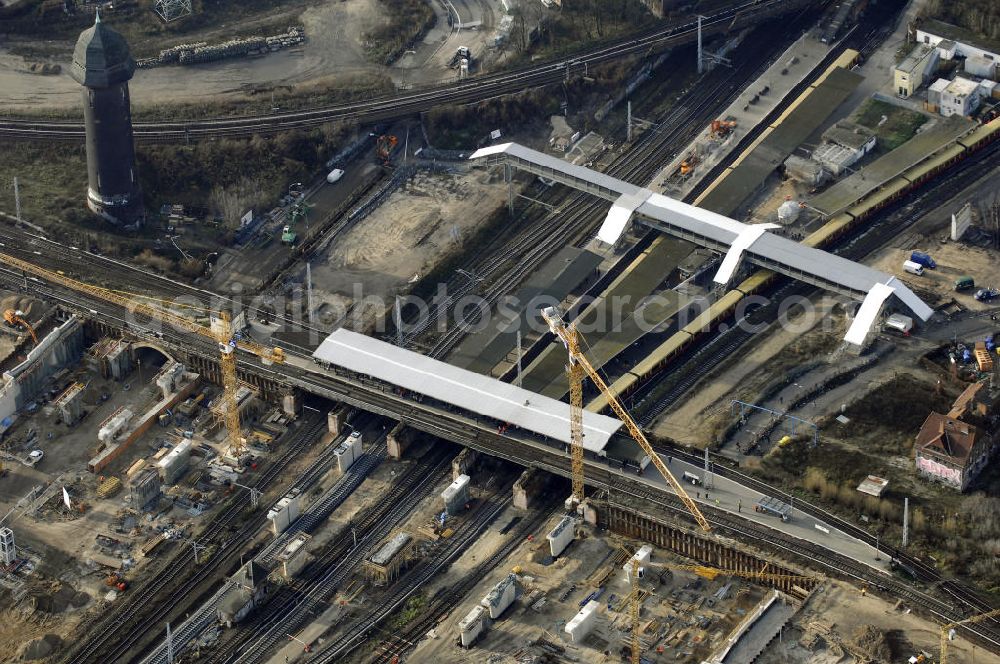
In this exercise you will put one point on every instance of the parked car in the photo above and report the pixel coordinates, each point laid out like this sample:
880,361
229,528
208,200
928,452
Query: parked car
986,294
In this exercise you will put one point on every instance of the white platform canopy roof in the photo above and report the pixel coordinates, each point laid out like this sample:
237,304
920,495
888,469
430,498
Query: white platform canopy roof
712,230
465,389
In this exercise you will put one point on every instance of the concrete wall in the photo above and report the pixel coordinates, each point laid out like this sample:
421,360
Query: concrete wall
58,349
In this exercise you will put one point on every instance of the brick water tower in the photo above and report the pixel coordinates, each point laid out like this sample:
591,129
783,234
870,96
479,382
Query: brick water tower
103,65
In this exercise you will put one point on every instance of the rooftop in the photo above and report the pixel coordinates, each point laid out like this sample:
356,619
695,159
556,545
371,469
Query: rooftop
915,57
948,438
848,134
709,229
962,87
955,33
101,57
465,389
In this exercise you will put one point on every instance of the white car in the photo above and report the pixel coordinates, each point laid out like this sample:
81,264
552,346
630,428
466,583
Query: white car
334,175
34,456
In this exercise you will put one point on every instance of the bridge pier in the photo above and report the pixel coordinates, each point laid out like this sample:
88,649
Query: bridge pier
529,486
337,418
398,440
464,463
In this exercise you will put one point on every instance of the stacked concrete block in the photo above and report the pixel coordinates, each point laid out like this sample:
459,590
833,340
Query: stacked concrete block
561,535
456,495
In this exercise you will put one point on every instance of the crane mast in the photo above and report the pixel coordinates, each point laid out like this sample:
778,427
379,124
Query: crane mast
568,335
222,335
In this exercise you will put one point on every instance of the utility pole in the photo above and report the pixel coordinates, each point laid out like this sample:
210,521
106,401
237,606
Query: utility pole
397,318
700,61
520,356
170,646
309,292
708,472
628,130
17,200
906,520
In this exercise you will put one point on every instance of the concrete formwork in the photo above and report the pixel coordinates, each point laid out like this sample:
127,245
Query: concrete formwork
624,520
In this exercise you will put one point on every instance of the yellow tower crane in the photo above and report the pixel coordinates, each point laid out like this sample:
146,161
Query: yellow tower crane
16,318
948,631
578,367
704,571
222,333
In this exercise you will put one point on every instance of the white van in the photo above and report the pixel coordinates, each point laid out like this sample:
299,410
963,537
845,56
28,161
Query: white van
913,268
691,477
334,175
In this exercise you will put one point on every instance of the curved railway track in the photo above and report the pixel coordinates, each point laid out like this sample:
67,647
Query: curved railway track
400,105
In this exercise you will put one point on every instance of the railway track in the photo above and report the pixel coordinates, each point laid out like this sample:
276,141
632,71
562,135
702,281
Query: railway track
504,268
293,605
470,530
887,584
444,603
400,105
146,607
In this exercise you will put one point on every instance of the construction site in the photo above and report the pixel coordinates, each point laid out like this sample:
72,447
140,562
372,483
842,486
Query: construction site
702,371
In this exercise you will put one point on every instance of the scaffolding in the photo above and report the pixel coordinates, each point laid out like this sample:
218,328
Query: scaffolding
171,10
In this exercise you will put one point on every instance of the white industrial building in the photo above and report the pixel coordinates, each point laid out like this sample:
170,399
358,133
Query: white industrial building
844,144
960,97
500,596
561,535
582,623
284,512
953,41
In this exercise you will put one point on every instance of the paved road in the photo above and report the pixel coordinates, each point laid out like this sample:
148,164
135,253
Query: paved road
727,495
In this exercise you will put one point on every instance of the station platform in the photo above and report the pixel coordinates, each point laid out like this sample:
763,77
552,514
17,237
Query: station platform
611,324
845,193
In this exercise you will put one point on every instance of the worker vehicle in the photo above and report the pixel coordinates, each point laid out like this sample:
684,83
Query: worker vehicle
691,477
900,323
986,294
913,267
965,283
921,258
34,456
773,506
335,175
288,236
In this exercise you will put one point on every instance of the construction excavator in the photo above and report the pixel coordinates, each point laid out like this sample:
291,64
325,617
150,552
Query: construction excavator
384,147
15,318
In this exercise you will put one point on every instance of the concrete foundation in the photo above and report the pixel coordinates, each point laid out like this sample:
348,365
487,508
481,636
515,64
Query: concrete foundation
284,512
561,535
291,404
456,495
527,487
464,463
144,489
471,626
70,404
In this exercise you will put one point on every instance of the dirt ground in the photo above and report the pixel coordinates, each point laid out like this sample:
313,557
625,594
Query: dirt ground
842,610
954,260
564,585
416,228
334,50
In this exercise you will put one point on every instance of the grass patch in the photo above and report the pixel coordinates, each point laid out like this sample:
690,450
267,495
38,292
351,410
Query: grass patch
410,611
900,124
889,417
223,178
